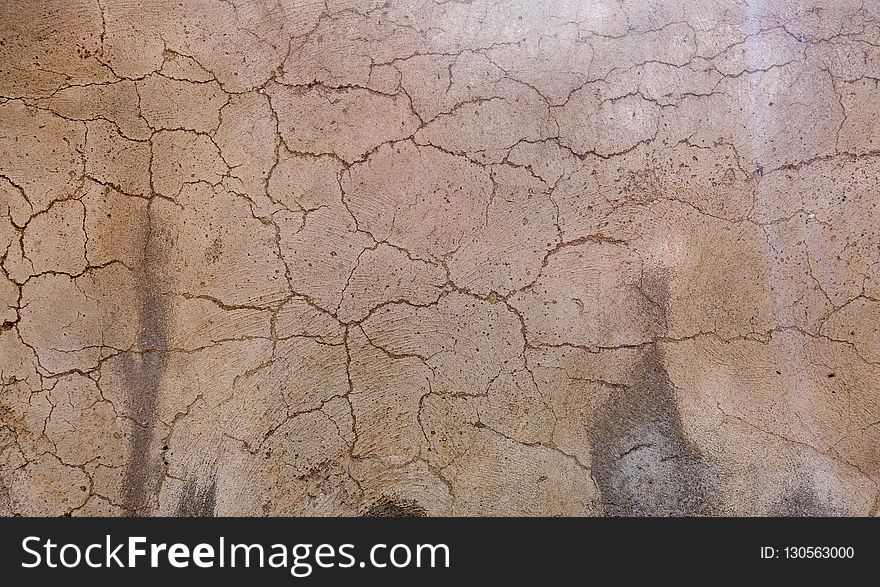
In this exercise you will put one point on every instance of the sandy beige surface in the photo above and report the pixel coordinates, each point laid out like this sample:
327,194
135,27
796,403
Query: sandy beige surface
280,257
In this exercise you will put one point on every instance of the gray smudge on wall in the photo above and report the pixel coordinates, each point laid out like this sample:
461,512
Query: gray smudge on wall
803,501
143,373
642,462
197,501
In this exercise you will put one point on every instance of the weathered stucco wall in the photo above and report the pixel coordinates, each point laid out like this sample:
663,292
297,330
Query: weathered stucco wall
280,257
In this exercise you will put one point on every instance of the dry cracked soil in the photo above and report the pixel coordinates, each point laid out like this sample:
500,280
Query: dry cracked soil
286,257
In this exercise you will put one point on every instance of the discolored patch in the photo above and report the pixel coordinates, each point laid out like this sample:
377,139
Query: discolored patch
394,507
642,462
143,373
198,500
803,502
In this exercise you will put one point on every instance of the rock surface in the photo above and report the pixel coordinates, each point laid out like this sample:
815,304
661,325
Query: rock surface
287,257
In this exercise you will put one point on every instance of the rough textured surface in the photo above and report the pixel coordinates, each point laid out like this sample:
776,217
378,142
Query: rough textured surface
282,257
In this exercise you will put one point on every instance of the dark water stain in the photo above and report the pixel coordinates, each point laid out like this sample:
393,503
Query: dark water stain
642,462
142,372
198,500
802,502
393,507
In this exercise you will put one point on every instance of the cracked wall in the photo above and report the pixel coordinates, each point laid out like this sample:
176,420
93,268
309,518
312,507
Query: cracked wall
284,257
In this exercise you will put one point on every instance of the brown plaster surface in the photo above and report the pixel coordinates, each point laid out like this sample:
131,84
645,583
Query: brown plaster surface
286,257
